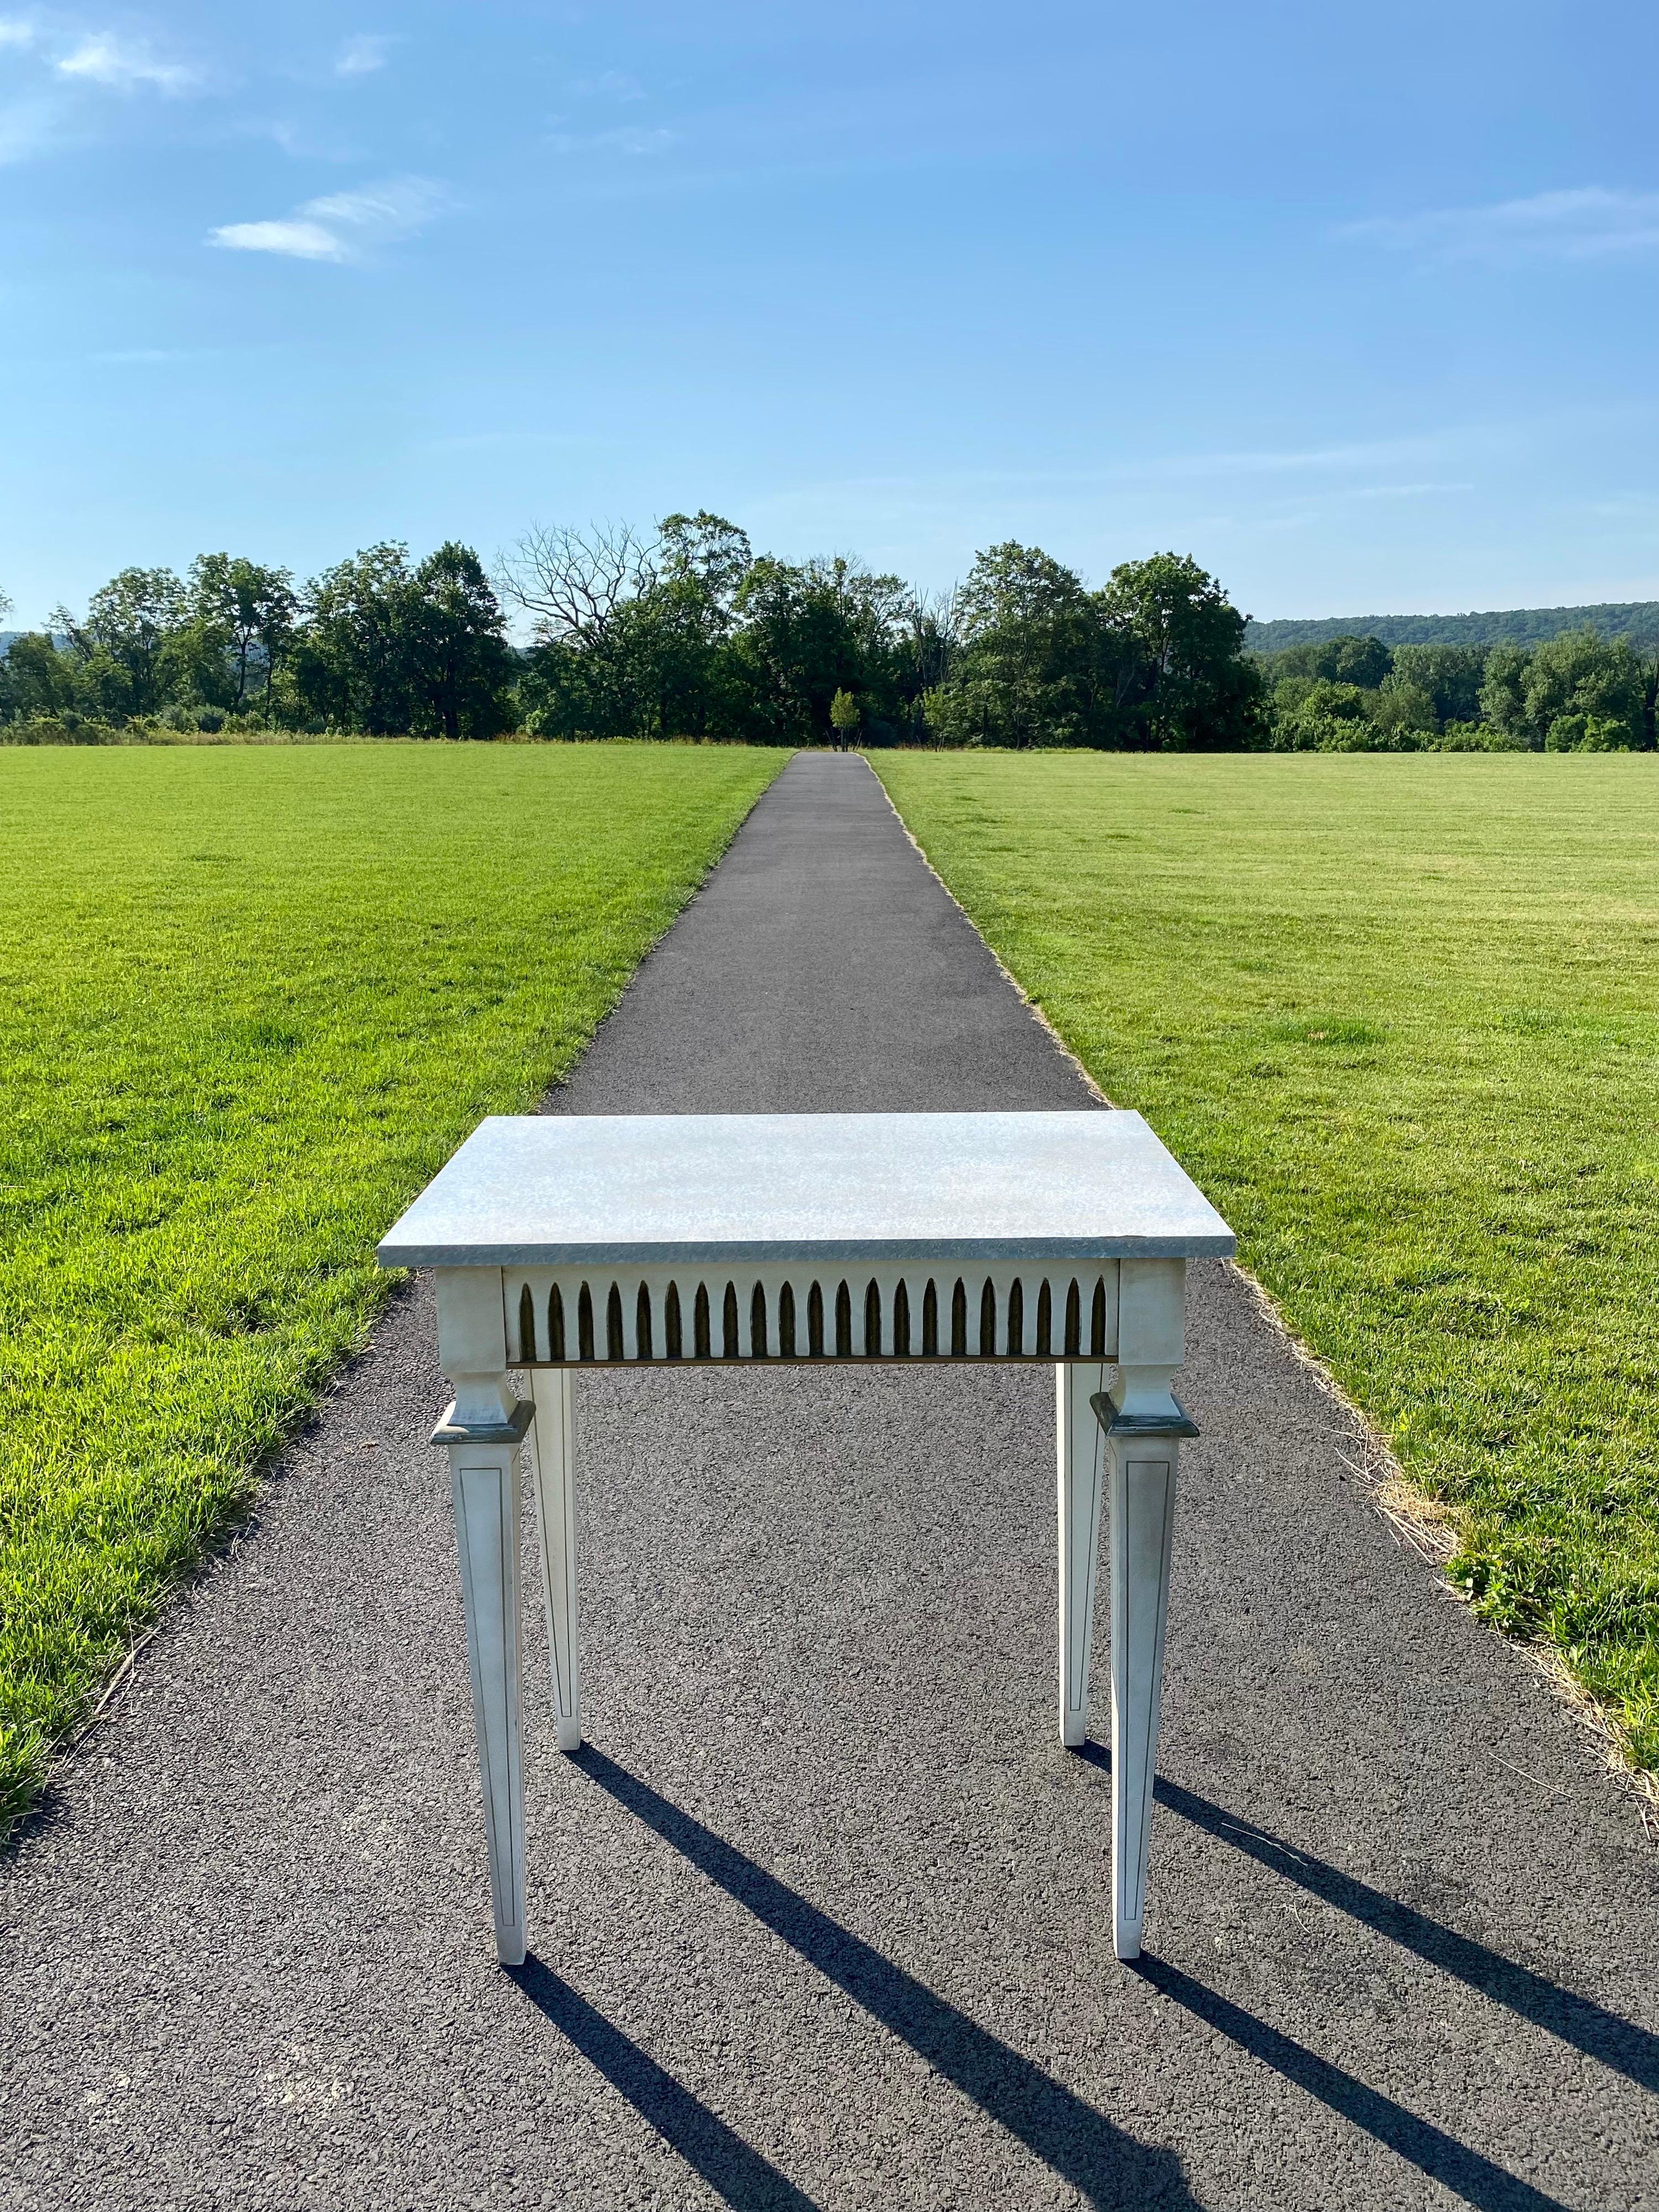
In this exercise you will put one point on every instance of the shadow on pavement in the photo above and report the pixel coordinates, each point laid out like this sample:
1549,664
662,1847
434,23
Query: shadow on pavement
1601,2035
1079,2144
740,2175
1441,2156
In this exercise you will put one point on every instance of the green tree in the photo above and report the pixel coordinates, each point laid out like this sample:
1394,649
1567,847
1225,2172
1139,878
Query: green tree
351,664
1196,687
1399,703
196,670
250,610
1586,693
1363,661
708,551
1503,699
1576,692
1026,673
389,649
121,646
1451,675
566,691
36,678
1313,715
929,645
843,717
802,634
690,635
674,634
453,644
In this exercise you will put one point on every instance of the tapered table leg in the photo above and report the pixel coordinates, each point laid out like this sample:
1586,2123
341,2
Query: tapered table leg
484,1469
1141,1482
1081,1455
552,1447
1142,1516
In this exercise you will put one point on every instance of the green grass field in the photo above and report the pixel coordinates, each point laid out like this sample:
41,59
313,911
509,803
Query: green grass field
249,998
1400,1017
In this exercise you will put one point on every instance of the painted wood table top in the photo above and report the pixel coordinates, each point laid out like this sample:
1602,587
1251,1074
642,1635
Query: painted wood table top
644,1189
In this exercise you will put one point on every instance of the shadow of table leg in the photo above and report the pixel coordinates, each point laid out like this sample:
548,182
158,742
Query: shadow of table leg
1621,2045
1100,2161
1466,2173
734,2171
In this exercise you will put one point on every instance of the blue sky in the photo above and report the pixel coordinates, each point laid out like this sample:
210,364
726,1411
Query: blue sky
1357,306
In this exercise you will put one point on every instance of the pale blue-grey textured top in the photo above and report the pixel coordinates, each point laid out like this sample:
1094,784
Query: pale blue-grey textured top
648,1189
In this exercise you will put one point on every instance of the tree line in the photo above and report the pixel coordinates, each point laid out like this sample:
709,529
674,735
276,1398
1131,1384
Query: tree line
687,632
1636,619
378,645
1577,692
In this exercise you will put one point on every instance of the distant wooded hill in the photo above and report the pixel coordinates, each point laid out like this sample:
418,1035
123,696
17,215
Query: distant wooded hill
1637,619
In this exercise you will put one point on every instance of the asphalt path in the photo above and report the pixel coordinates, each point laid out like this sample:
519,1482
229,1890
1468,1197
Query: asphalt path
821,1916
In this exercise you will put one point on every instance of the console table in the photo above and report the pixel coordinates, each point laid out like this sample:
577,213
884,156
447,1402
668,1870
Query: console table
673,1240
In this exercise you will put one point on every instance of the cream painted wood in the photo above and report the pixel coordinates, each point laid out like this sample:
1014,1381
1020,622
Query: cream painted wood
485,1483
1152,1307
472,1345
551,1446
1151,1331
562,1242
1142,1519
837,1190
1081,1454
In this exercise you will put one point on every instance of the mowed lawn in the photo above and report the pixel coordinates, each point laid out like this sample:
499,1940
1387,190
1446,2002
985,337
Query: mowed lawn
249,998
1400,1017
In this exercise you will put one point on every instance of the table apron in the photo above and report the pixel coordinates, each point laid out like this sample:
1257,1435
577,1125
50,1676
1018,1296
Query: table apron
803,1311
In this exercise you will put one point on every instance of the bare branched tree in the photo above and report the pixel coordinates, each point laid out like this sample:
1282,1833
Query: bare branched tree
934,634
571,582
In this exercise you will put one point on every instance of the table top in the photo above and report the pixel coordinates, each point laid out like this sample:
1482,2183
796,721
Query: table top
553,1190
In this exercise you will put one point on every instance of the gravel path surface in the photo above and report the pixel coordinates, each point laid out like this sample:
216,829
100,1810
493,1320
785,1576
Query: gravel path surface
822,1916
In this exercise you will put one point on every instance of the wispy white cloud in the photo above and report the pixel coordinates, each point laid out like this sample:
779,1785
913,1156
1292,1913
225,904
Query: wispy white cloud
300,240
342,226
1587,224
122,66
363,53
621,141
59,76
